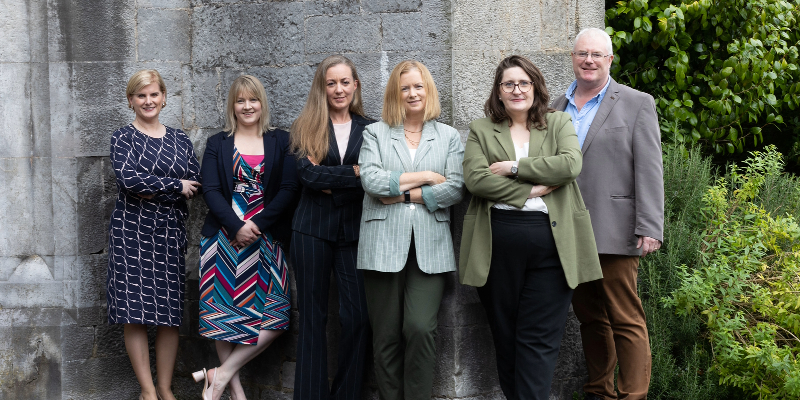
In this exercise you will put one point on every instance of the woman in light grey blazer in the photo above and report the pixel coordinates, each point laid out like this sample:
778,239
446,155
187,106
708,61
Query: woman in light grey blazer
411,171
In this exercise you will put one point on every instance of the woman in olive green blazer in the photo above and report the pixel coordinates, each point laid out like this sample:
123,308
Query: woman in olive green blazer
520,164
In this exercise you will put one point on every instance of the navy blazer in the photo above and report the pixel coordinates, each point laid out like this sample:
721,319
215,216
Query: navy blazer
320,214
278,177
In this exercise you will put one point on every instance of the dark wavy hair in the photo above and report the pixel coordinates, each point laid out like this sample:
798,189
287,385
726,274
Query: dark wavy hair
494,108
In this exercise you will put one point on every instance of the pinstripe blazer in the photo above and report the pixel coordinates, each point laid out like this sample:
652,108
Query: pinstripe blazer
320,214
386,230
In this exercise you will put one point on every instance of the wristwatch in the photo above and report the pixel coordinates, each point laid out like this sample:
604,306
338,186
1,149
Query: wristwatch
514,168
407,195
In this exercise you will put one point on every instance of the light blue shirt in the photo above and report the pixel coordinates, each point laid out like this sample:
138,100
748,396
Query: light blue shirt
582,119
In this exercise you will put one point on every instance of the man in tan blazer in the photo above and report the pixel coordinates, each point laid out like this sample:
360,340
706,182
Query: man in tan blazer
622,184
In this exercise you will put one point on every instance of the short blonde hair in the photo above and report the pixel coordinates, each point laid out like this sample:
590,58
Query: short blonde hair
143,78
394,113
248,85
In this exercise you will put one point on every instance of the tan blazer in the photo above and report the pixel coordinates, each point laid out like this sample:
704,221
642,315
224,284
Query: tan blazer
554,159
623,179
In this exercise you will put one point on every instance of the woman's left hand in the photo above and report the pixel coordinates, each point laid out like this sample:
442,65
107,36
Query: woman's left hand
502,168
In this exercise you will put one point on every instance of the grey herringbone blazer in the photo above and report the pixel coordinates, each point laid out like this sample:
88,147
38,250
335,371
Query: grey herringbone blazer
386,230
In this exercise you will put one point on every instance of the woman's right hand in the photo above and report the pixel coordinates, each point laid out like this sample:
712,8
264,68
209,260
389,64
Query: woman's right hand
434,178
541,190
189,188
247,234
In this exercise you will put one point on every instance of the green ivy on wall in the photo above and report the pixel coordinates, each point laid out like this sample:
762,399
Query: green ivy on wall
724,72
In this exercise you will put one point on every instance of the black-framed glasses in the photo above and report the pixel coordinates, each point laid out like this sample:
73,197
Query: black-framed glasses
524,86
581,55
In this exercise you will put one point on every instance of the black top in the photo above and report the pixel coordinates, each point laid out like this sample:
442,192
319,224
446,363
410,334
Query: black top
279,178
320,214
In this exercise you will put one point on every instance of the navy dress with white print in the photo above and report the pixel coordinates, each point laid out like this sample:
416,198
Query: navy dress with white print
147,243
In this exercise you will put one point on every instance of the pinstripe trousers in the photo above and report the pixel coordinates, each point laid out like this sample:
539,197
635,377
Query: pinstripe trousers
313,259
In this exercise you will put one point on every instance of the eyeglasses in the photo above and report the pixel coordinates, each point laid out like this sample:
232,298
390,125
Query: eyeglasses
581,55
524,86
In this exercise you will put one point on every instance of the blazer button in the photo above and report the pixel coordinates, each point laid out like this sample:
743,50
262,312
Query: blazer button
554,224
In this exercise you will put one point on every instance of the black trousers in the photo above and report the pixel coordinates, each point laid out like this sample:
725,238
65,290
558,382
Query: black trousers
313,259
527,299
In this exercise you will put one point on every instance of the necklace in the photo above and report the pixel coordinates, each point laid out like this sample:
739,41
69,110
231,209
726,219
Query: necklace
413,143
410,131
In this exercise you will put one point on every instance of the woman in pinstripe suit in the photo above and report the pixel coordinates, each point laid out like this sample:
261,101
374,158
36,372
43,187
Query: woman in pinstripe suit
411,171
327,138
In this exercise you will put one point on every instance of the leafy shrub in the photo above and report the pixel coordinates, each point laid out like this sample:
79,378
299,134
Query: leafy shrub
745,282
724,72
681,366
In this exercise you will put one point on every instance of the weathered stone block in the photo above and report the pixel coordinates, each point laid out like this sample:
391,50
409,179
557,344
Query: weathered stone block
109,340
376,6
473,74
76,342
95,201
164,35
15,110
65,268
65,206
591,14
16,211
475,369
287,90
89,379
23,32
401,31
559,14
85,30
329,7
163,3
209,99
482,25
324,34
63,121
248,34
436,31
93,273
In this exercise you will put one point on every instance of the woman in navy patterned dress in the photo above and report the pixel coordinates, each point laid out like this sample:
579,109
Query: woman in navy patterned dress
156,171
250,186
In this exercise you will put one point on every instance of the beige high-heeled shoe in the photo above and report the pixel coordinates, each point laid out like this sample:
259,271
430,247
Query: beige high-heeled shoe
201,375
206,385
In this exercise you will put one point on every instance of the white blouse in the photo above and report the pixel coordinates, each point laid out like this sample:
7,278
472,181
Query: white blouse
342,132
534,204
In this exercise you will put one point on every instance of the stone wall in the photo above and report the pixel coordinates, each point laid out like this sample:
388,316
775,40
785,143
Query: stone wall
63,69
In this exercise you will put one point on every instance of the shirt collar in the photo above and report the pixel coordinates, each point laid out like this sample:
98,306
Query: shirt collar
574,86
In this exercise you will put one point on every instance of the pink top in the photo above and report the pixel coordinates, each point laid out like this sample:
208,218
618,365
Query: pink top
252,161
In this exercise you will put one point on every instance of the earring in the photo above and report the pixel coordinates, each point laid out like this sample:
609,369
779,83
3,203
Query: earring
164,105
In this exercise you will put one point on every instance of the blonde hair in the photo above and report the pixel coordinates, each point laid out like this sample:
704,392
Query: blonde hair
143,78
309,132
394,113
247,85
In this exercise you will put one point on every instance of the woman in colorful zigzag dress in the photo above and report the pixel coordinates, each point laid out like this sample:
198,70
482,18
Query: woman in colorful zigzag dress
249,186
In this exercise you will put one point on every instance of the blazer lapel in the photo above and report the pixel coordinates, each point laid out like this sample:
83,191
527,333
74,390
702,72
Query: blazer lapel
536,141
609,100
399,144
227,160
333,158
270,148
503,135
425,141
355,139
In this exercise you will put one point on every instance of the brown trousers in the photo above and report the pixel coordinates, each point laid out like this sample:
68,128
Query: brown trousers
614,331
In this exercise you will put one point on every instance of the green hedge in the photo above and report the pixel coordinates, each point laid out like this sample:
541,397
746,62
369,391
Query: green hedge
725,73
